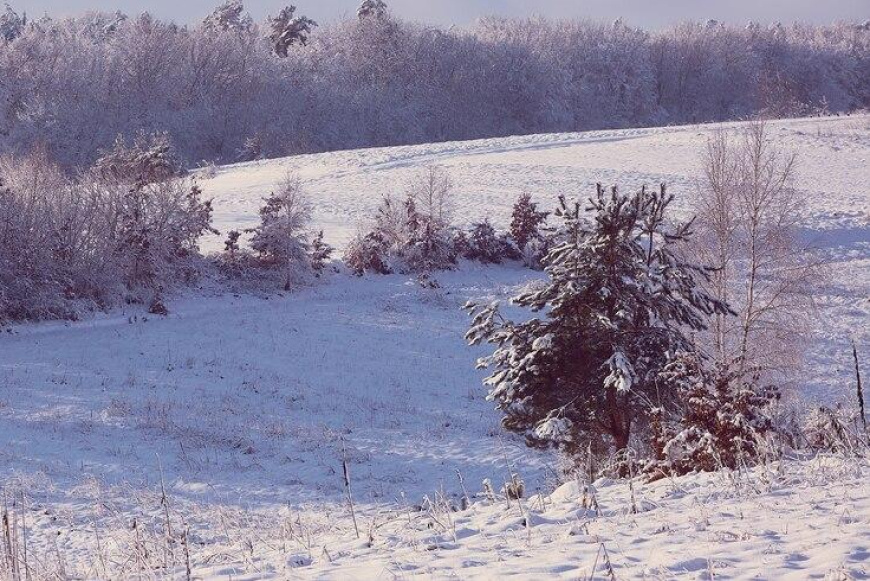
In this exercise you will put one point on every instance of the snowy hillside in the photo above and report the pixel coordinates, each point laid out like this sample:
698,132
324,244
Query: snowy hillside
833,169
231,419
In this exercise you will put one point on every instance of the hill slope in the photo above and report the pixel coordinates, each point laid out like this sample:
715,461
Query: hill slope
232,418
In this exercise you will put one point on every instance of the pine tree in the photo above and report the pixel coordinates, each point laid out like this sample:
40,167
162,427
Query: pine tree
372,8
229,16
280,238
617,302
320,254
231,244
288,29
526,221
723,415
484,244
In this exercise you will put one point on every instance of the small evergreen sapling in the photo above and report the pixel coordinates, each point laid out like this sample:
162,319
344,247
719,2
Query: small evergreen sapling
723,416
280,238
616,304
231,245
526,221
485,245
320,253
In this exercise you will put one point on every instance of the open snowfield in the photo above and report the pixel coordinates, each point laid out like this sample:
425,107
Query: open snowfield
132,445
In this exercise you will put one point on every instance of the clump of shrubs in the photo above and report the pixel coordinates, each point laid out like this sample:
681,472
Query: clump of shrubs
414,235
282,245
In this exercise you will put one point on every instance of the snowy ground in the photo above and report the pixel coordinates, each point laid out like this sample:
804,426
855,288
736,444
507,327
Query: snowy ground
245,407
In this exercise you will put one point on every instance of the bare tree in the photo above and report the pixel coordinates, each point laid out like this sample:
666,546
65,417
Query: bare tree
431,189
749,214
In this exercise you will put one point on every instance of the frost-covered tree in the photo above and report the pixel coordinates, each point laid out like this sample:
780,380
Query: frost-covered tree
749,217
11,24
229,16
372,9
281,237
159,228
287,29
618,300
150,159
723,417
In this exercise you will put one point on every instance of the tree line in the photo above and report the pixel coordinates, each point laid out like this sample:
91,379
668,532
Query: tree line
229,88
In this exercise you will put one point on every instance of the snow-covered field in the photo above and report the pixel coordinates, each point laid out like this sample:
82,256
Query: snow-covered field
130,445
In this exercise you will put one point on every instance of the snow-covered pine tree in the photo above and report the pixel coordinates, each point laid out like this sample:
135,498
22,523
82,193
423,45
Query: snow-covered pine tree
723,416
616,304
229,16
280,239
526,222
287,29
372,8
320,253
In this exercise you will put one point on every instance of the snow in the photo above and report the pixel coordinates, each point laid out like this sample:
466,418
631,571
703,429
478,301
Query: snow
246,407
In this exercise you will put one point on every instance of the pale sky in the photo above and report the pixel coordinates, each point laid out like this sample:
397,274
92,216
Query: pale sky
644,13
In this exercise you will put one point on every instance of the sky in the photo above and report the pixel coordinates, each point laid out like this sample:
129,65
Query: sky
644,13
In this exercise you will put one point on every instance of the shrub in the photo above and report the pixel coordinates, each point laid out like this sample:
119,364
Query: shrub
724,416
412,236
150,159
